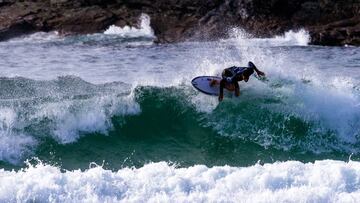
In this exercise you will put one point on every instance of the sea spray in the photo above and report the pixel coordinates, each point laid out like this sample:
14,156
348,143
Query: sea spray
63,109
144,29
290,38
14,145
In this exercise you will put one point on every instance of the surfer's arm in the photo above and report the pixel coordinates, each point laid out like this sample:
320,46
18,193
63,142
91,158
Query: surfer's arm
221,94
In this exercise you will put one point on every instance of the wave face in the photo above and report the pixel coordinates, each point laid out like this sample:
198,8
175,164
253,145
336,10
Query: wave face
55,116
292,181
61,109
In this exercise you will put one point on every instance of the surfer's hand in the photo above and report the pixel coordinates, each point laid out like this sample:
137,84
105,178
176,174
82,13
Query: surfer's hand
221,98
260,73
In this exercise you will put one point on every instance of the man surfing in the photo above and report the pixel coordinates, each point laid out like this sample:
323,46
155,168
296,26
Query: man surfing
231,76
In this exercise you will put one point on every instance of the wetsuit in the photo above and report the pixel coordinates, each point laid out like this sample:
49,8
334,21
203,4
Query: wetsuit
231,76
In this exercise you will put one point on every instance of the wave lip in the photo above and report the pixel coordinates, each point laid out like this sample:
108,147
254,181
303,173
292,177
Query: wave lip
64,109
291,181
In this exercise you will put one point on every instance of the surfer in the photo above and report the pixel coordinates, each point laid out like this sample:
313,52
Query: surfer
231,76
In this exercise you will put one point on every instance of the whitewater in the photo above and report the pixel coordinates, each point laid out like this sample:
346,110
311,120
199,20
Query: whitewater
112,117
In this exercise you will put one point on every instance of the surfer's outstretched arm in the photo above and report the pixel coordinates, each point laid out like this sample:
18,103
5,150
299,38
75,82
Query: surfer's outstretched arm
221,94
258,72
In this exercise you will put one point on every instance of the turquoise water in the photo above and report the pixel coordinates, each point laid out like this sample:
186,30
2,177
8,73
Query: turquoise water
168,129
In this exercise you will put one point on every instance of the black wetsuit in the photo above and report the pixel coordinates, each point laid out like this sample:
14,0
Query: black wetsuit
231,76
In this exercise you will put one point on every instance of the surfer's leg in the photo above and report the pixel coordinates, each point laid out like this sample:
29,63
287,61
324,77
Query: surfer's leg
230,87
237,89
222,85
213,82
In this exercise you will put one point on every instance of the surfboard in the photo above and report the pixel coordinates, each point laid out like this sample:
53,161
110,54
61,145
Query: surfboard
202,83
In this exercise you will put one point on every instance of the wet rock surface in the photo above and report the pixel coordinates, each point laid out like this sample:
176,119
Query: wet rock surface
329,22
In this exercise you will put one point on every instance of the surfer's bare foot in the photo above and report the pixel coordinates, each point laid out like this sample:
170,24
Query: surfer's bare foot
213,83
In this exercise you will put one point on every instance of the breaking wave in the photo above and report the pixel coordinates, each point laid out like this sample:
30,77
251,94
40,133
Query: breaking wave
292,181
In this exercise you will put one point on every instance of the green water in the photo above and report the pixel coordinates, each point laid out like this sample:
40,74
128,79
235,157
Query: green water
169,128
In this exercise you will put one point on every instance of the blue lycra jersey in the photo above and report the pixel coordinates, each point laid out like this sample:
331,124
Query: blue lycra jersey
237,70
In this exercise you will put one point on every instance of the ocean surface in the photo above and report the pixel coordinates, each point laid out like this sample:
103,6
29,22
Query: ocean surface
113,117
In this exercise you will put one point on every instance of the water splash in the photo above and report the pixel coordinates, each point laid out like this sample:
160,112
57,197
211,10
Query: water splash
144,29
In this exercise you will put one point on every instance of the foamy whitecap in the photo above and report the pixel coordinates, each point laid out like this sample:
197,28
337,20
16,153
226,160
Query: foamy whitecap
64,109
290,38
300,37
14,145
144,29
292,181
90,116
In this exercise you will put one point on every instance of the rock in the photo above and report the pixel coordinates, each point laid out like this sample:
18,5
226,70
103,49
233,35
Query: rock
16,29
6,2
343,32
330,22
81,21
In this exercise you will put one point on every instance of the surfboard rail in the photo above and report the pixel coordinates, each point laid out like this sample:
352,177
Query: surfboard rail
202,84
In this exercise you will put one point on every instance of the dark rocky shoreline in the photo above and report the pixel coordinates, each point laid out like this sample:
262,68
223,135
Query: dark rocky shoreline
329,22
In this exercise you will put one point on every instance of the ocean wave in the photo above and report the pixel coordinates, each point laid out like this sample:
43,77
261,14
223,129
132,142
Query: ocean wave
297,89
291,181
64,109
282,114
13,145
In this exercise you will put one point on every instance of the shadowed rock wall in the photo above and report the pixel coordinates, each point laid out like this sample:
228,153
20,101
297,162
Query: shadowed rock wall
329,22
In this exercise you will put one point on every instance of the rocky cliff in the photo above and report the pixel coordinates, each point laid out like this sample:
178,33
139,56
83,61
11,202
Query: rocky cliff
329,22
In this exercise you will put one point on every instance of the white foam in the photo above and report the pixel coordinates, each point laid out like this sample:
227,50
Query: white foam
312,94
291,181
14,146
73,118
144,29
76,108
301,37
290,38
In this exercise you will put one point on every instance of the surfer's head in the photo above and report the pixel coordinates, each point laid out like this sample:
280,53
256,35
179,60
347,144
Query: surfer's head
251,65
248,71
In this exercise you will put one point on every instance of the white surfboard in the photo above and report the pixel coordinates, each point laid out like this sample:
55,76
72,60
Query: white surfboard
202,83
